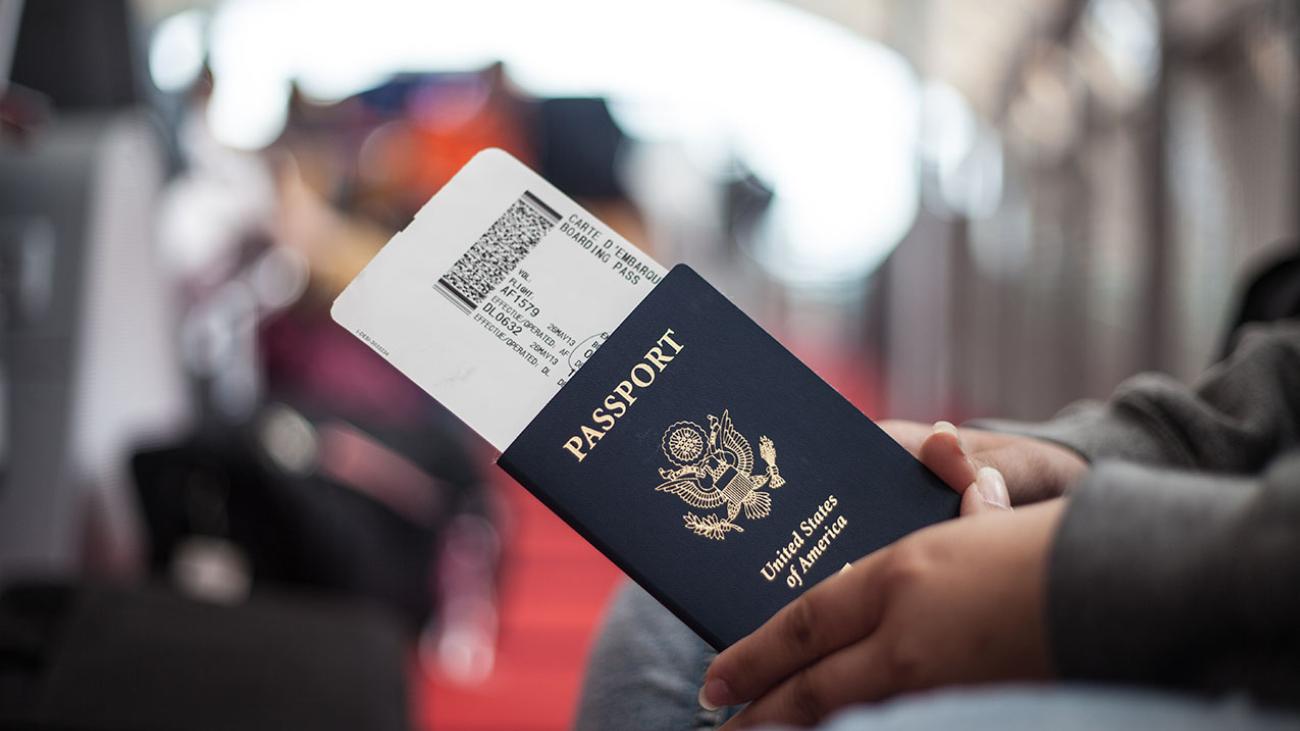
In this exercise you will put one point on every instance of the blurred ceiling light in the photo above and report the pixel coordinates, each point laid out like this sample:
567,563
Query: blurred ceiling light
176,51
947,125
1125,36
826,116
963,153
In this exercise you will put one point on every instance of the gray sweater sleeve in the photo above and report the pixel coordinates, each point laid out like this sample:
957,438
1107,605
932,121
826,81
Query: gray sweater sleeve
1161,575
1239,416
1179,579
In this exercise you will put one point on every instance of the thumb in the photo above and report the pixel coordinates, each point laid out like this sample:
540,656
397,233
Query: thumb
943,452
987,492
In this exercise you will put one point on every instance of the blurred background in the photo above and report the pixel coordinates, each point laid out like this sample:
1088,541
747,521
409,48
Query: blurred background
218,509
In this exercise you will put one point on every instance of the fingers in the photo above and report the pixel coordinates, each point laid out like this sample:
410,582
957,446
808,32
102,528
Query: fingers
942,452
987,492
854,674
837,612
910,434
981,488
1037,470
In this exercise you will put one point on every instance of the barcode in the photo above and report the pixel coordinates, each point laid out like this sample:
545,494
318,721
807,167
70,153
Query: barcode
497,252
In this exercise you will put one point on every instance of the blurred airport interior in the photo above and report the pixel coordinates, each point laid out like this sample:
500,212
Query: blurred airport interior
218,508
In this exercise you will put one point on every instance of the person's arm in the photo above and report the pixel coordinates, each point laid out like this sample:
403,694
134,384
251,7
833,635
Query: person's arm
1142,576
1181,580
1239,415
1173,578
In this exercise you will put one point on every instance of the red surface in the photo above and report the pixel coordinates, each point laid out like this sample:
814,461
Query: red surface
554,588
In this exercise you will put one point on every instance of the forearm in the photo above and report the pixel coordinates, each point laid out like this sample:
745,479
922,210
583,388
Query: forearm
1240,415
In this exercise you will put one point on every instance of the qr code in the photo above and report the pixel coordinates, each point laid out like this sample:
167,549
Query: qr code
497,252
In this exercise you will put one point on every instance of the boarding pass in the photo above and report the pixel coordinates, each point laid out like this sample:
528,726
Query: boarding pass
496,294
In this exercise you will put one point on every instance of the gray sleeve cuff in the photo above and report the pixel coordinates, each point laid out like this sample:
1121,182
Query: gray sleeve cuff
1117,430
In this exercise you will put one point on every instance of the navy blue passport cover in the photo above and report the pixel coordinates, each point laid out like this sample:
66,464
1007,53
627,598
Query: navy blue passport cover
715,469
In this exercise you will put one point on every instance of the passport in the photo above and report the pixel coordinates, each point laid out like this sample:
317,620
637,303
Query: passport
638,404
713,467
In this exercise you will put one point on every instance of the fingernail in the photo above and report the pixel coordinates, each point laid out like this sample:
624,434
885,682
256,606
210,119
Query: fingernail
992,487
946,427
715,694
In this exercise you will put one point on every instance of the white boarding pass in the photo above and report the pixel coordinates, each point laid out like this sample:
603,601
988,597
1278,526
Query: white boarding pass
495,294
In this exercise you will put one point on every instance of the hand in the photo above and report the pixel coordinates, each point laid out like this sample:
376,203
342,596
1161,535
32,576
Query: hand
960,602
1033,469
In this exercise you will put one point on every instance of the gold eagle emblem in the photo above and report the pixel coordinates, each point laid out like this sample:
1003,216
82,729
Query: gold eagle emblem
714,469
